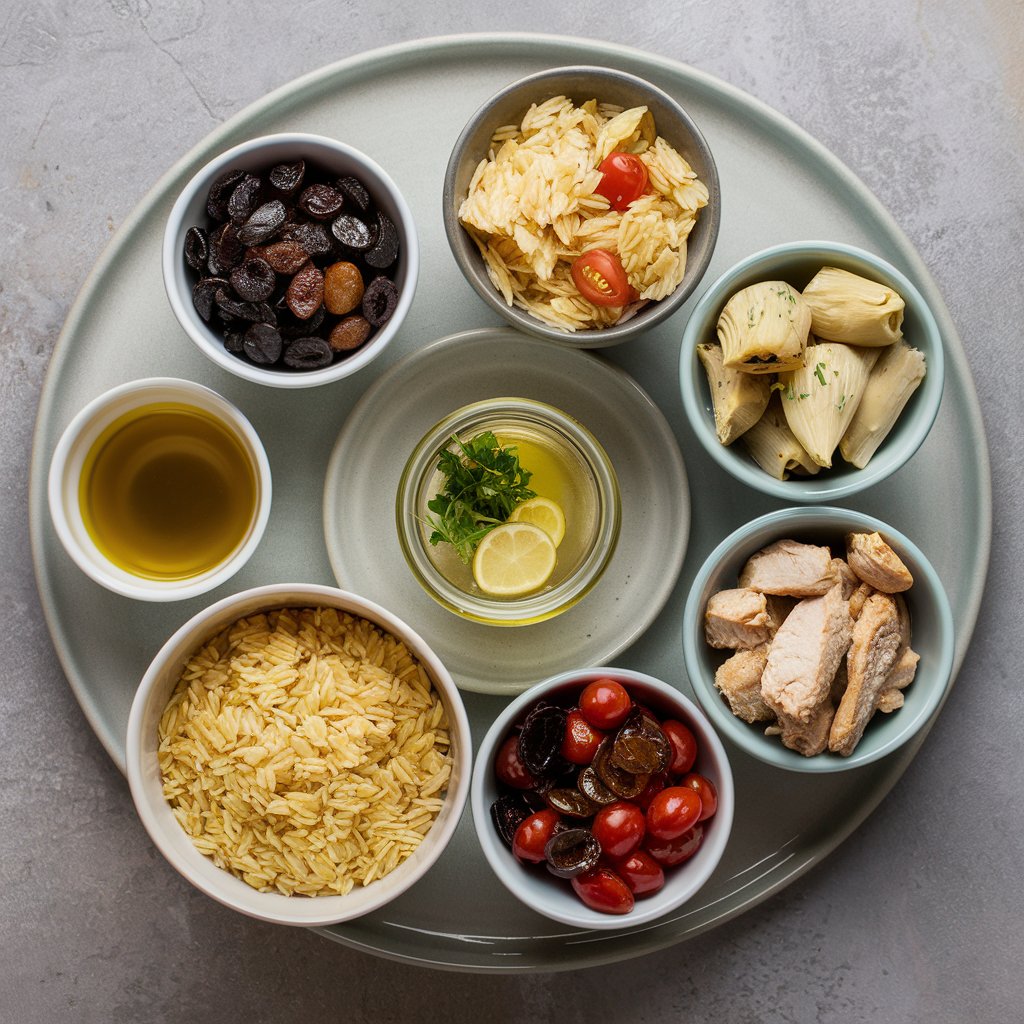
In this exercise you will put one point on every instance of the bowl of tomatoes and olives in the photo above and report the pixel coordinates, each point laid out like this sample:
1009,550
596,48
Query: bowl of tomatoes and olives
602,798
505,232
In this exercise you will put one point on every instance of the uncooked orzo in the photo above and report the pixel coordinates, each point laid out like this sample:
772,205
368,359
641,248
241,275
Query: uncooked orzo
532,210
305,751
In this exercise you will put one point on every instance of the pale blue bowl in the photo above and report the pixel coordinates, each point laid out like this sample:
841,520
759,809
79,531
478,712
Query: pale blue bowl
796,263
932,636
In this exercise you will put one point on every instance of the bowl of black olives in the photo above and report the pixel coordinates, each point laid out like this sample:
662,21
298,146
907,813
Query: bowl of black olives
291,260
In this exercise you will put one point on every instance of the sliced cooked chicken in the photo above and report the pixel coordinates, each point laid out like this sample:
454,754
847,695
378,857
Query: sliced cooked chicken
737,620
805,654
739,680
876,563
849,579
858,597
808,738
876,642
790,569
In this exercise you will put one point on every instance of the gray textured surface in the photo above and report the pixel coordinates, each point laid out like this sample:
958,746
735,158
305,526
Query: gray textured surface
918,916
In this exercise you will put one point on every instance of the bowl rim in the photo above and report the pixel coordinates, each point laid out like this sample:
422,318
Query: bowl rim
646,910
775,526
466,256
178,295
824,486
229,890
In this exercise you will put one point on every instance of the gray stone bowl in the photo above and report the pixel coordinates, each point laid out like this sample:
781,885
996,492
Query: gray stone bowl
581,84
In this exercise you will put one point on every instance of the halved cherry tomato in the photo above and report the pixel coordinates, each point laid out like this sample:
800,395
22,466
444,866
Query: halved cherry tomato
623,179
533,834
641,872
581,739
601,889
670,852
705,789
619,828
605,704
673,811
684,746
600,278
510,769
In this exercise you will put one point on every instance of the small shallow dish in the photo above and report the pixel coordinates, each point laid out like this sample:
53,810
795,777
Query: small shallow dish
260,154
581,84
932,634
554,897
588,493
796,263
145,779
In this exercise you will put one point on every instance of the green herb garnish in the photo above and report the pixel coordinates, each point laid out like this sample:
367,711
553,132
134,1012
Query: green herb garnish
819,372
483,484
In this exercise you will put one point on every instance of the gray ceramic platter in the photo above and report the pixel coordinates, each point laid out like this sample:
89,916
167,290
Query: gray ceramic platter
405,106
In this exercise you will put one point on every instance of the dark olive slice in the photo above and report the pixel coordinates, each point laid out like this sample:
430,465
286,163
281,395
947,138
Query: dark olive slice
220,192
541,737
380,300
640,746
321,202
197,248
352,232
622,783
593,788
234,341
308,354
570,802
572,852
507,812
288,177
245,197
263,224
204,294
385,249
226,251
254,312
354,192
312,237
254,280
262,344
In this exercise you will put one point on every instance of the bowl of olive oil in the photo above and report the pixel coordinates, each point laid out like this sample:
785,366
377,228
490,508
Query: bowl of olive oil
160,489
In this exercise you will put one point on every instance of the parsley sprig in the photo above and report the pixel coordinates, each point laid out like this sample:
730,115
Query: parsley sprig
483,484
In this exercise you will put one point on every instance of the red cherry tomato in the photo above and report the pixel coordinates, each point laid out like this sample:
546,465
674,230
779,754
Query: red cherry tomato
623,179
673,811
510,769
600,278
533,834
705,789
601,889
605,704
684,746
641,872
670,852
619,828
654,787
581,739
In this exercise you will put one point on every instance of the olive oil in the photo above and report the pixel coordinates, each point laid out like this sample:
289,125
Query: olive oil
168,492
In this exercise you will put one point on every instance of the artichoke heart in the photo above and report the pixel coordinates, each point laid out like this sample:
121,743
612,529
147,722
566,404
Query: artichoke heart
851,309
764,328
895,377
774,447
738,398
820,398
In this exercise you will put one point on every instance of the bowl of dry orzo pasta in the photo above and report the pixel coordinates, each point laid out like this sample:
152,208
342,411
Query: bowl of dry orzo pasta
582,204
299,754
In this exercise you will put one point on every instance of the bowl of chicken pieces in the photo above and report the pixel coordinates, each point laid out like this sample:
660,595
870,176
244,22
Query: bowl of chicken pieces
818,639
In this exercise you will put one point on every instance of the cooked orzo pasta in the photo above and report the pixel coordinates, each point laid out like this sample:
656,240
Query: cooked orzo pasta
305,751
533,209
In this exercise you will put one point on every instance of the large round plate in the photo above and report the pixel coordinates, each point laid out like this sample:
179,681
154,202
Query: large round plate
405,106
403,404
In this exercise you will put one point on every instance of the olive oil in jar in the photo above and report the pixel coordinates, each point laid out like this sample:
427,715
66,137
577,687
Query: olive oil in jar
168,492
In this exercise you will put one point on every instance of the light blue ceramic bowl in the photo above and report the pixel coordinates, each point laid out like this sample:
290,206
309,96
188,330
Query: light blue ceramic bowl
554,897
932,636
796,263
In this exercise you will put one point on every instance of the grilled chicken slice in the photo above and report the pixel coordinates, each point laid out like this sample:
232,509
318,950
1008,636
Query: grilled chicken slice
858,597
846,576
737,620
905,668
873,650
805,654
739,680
790,569
876,563
807,738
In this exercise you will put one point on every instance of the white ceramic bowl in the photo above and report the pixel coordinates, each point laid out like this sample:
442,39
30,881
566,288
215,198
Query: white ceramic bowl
163,828
66,471
554,897
261,154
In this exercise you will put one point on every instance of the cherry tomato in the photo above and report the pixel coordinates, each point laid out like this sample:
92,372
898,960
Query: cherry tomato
581,739
533,834
623,179
619,828
641,872
670,852
605,704
654,787
510,769
705,789
673,811
684,746
600,278
601,889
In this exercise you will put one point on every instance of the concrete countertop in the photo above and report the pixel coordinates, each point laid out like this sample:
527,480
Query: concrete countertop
919,916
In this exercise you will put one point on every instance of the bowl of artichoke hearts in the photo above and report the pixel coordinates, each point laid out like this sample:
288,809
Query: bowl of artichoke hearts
811,370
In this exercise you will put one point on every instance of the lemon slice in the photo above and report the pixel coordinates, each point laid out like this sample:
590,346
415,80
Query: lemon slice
513,559
542,512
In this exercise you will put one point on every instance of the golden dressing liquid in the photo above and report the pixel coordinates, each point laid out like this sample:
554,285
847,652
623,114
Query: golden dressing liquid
168,492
